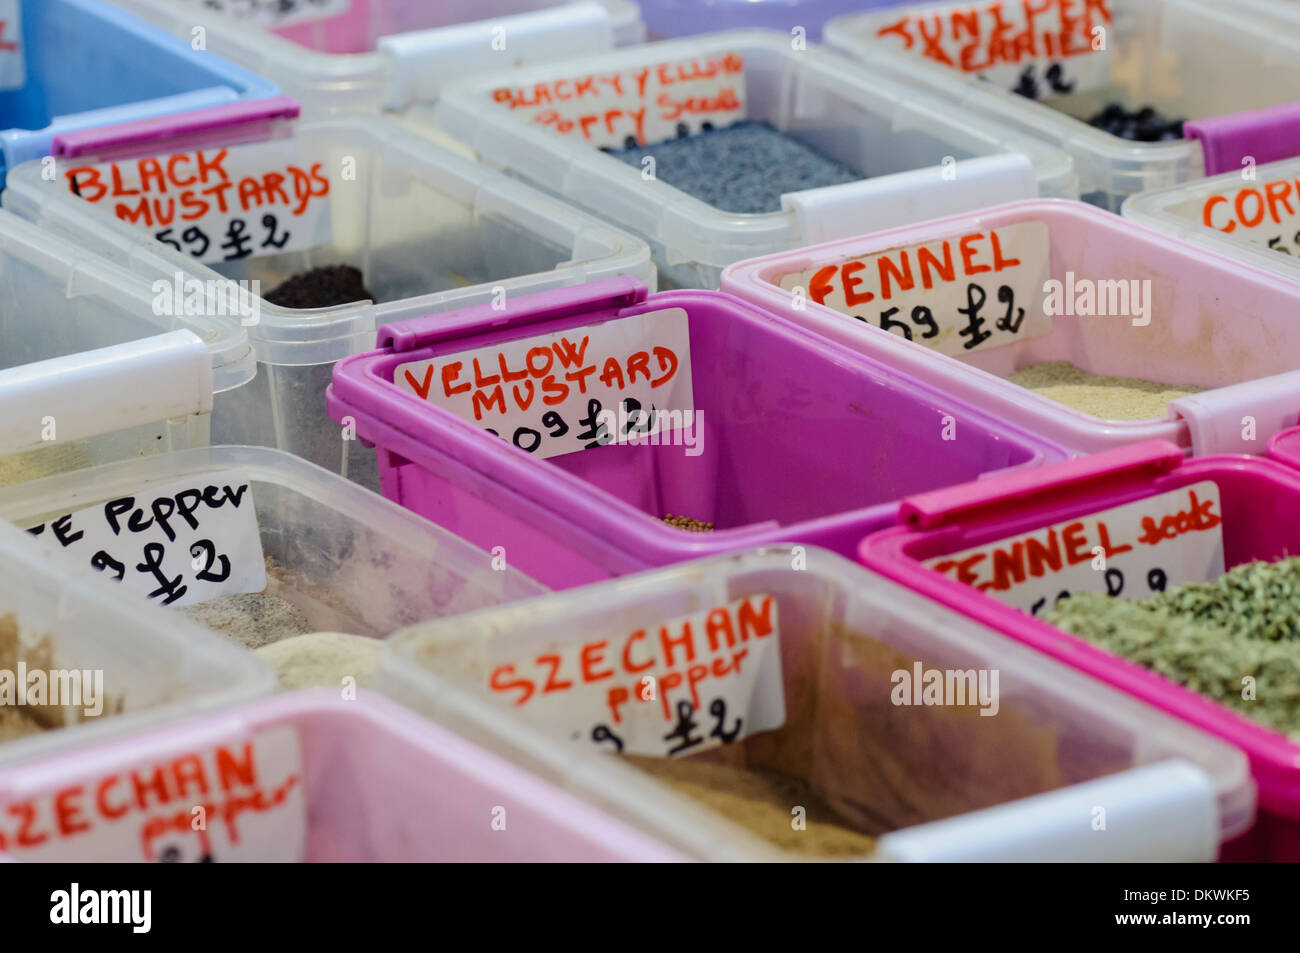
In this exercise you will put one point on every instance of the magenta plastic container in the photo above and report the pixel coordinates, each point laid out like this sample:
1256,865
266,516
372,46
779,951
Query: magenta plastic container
381,784
851,437
1260,506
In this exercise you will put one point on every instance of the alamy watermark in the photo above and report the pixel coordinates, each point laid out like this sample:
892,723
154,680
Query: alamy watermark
56,687
637,427
1086,298
216,297
957,688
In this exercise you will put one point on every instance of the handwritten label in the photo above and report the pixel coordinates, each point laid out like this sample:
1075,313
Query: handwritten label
693,683
240,801
1129,551
1266,214
637,106
277,12
953,295
217,204
1038,48
13,62
547,394
179,545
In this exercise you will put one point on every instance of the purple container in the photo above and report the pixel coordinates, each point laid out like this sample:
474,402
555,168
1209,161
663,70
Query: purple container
803,441
671,18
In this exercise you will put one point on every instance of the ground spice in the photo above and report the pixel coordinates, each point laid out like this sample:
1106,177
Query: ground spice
1110,398
745,167
321,288
251,619
1209,637
324,659
686,523
760,800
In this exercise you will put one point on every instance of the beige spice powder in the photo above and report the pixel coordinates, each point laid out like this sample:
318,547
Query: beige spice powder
1110,398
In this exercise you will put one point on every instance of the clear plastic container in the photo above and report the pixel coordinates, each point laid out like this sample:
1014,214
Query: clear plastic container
1188,59
394,54
931,783
378,783
124,69
428,229
790,438
1263,231
1204,322
91,370
349,560
1259,503
669,18
154,667
917,154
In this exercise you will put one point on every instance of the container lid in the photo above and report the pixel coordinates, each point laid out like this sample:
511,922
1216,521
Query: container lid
65,286
845,634
368,54
689,229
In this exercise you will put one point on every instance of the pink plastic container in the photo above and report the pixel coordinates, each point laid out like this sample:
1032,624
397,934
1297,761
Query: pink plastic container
1260,508
1211,322
377,782
850,438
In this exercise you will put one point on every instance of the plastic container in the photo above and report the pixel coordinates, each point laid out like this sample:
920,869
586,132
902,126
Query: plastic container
789,424
125,70
1261,231
1200,42
918,155
393,54
1208,323
1259,502
429,231
670,18
933,783
91,370
154,666
377,783
349,560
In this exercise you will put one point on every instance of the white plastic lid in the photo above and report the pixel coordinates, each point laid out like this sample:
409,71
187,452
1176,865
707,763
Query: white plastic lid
841,630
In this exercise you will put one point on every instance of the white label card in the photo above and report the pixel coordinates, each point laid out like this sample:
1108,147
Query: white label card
218,204
1263,213
685,686
178,545
237,801
637,106
559,393
953,295
13,61
277,12
1130,551
1038,48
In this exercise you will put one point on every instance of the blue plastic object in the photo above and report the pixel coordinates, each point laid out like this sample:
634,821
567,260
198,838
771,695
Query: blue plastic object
90,64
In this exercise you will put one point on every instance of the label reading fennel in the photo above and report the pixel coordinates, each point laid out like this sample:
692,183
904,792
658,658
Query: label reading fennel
1264,213
13,62
636,106
1129,551
237,801
219,204
179,545
1038,48
953,295
555,394
276,12
690,684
